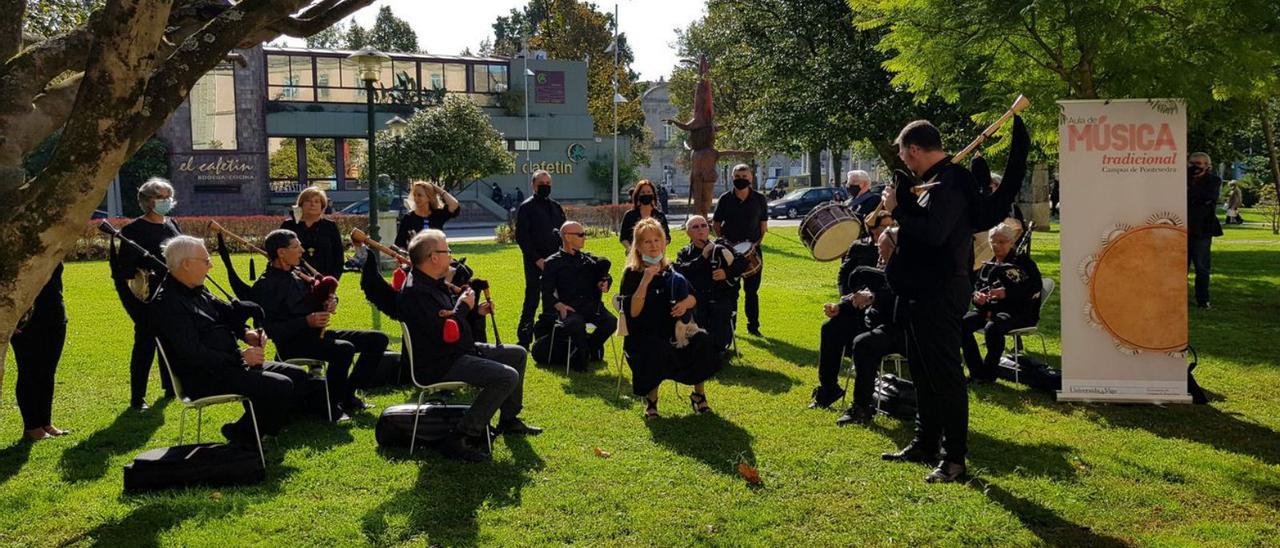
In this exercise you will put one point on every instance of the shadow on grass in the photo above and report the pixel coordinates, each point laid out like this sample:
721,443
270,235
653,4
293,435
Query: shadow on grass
761,380
444,507
1052,529
1002,457
13,458
130,431
710,438
783,350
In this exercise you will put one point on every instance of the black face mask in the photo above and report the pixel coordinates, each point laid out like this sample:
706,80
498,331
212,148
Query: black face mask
646,199
1194,170
543,191
741,183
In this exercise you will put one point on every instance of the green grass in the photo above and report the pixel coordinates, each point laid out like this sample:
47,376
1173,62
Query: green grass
1044,472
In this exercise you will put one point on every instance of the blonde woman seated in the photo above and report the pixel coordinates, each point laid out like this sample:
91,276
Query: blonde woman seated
654,298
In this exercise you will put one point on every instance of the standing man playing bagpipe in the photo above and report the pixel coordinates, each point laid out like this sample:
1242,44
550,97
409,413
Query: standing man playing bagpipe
137,279
537,220
297,318
931,270
742,215
714,269
572,283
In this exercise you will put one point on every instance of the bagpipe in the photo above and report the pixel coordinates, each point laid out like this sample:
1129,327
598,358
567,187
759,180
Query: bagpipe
321,287
244,310
383,295
723,256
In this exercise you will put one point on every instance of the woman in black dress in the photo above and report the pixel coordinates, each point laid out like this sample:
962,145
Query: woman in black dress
643,206
136,281
37,347
651,315
321,242
431,207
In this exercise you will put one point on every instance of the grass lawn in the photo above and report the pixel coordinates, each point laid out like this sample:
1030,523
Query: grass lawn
1043,472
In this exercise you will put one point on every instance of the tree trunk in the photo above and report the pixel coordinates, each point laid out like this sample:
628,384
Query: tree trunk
888,153
815,167
1268,131
836,168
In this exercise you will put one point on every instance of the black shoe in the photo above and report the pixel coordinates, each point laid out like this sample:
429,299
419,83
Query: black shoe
823,397
946,472
858,414
517,427
462,447
754,330
982,380
139,406
355,404
236,437
1205,305
911,453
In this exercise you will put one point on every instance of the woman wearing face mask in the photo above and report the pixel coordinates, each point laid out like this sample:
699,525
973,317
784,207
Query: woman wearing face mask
432,206
651,311
321,241
643,206
156,199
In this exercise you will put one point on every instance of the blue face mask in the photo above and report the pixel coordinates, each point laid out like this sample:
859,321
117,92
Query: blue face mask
651,260
163,206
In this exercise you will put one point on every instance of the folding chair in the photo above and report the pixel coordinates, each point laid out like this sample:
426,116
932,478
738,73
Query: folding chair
201,403
430,389
617,360
896,359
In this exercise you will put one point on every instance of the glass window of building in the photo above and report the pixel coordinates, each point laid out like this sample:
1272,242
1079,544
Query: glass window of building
489,78
455,77
355,152
282,162
328,77
290,78
432,76
213,110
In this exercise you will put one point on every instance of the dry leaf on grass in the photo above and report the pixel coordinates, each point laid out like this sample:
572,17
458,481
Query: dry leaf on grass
749,473
602,453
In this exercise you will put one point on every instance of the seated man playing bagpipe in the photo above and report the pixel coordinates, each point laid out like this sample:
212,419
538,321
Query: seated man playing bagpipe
298,312
1006,296
845,320
199,333
884,315
445,349
714,269
573,282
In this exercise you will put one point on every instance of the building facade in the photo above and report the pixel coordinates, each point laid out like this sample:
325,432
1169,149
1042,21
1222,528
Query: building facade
272,121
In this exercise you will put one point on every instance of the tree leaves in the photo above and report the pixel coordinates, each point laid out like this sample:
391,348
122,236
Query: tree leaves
449,143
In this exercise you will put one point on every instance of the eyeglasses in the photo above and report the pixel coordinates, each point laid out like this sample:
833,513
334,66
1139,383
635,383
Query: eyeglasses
699,225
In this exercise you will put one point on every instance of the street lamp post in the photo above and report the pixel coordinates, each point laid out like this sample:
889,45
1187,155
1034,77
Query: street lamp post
617,99
370,62
527,74
398,126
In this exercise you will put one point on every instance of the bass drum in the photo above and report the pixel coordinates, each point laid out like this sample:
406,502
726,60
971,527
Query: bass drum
748,250
829,230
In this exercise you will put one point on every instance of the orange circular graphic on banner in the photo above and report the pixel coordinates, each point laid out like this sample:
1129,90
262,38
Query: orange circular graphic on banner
1134,297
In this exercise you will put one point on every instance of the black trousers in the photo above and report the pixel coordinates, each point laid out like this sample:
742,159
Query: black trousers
869,348
933,354
575,325
834,339
275,390
338,349
532,294
37,351
751,294
994,330
1199,259
144,354
716,316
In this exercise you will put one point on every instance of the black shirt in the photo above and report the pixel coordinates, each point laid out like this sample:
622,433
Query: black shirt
935,242
632,216
412,223
740,219
199,333
1202,206
863,204
1020,278
321,243
862,252
697,268
655,318
149,235
286,301
48,309
420,305
537,220
571,279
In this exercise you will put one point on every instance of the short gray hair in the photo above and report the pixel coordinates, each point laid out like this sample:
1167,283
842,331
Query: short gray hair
150,190
740,167
423,243
178,249
858,174
539,173
1204,155
1004,230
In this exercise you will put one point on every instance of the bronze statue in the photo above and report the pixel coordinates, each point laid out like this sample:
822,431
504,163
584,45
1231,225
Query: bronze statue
702,141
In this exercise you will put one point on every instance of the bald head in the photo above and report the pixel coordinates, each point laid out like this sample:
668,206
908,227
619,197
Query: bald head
572,236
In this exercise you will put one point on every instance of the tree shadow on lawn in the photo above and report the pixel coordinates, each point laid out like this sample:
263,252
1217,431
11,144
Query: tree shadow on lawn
447,497
783,350
130,431
1052,529
710,438
761,380
13,458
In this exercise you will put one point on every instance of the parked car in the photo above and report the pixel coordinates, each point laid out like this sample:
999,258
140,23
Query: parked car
800,202
362,207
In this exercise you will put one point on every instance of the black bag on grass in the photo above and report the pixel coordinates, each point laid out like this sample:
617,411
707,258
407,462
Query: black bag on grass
392,371
1030,372
209,464
436,420
895,396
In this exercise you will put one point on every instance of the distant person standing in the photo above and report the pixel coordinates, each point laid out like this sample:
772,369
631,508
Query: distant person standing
663,197
1203,189
1235,199
321,241
37,346
538,220
742,215
519,196
431,206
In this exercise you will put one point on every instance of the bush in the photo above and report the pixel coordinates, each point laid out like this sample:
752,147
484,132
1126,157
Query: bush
1249,191
93,245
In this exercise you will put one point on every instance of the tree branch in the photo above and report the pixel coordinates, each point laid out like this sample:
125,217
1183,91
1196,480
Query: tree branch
315,18
11,27
26,75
